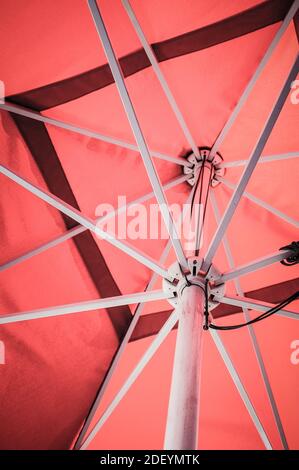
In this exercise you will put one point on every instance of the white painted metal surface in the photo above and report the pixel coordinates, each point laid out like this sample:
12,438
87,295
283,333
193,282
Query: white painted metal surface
240,387
81,228
183,411
138,134
26,112
262,204
265,159
67,209
252,162
258,305
255,77
157,341
84,306
253,266
182,423
124,343
253,337
157,69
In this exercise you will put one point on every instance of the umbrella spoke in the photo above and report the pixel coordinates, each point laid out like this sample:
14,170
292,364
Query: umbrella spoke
240,387
87,306
283,156
252,334
119,353
67,209
291,13
158,191
254,265
77,230
259,305
266,159
248,170
26,112
158,340
140,140
261,203
156,67
125,340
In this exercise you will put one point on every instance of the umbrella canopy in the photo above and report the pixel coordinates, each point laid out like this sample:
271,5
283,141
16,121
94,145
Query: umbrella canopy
104,102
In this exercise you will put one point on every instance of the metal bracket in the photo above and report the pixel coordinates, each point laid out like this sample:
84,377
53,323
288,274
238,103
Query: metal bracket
192,277
197,161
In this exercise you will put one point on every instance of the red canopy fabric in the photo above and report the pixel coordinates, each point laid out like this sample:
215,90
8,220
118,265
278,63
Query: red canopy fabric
52,62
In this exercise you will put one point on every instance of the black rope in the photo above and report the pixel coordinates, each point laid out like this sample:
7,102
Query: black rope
205,210
261,317
199,183
196,186
206,310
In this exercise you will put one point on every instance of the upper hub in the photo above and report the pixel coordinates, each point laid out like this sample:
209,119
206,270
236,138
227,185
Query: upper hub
212,163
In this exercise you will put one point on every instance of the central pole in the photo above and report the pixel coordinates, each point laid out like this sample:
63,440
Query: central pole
182,421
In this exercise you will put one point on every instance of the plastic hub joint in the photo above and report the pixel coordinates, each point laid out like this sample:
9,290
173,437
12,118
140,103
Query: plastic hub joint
211,163
192,276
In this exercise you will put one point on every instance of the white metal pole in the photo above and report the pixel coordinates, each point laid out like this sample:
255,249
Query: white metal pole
182,421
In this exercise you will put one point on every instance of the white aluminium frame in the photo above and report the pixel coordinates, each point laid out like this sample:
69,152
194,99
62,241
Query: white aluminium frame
175,439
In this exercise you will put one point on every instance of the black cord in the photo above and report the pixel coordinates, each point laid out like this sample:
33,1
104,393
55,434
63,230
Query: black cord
294,257
206,311
200,182
201,178
196,186
205,210
264,315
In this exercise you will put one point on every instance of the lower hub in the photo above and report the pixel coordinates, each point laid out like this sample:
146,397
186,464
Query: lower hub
212,163
192,276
